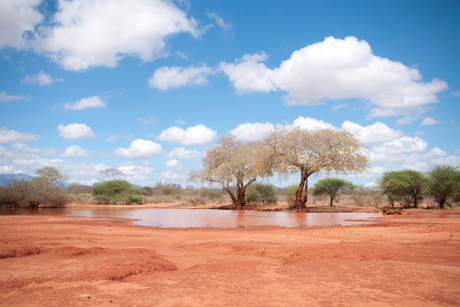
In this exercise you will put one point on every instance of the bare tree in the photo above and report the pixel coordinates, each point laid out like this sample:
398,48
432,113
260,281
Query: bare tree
51,174
234,164
298,150
111,173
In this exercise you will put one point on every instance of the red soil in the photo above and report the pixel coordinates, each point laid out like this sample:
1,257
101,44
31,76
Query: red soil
65,261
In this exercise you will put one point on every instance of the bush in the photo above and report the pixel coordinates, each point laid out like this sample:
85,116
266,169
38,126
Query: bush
289,193
367,197
162,189
35,193
116,191
262,193
76,189
212,195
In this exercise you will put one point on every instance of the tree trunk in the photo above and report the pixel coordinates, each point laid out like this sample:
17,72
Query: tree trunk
301,195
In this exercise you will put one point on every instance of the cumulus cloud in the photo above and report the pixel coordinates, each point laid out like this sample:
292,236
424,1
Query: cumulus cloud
139,149
165,78
373,134
170,175
84,34
147,121
11,136
196,135
173,163
50,152
252,131
403,145
182,153
309,123
113,138
249,74
76,151
75,131
41,79
7,98
17,17
428,121
337,69
85,103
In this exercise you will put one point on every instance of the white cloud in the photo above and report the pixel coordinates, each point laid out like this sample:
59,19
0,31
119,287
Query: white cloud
374,134
253,131
16,18
171,175
75,131
37,151
165,78
101,32
339,69
41,79
337,107
196,135
173,163
135,171
139,149
428,121
220,22
76,151
402,145
11,136
7,98
85,103
309,123
182,153
147,121
113,138
249,74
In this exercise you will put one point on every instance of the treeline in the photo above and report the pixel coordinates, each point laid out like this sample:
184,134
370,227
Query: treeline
440,187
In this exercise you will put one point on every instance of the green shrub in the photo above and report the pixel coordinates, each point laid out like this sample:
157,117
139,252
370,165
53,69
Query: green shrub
262,193
116,191
212,195
253,196
289,193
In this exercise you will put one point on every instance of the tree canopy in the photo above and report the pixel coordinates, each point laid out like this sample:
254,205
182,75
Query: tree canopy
404,187
443,183
331,187
234,165
52,174
297,150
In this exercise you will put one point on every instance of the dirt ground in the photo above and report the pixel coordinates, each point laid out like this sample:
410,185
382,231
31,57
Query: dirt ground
404,260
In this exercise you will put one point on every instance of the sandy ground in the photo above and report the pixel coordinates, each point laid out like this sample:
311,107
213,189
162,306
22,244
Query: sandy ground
67,261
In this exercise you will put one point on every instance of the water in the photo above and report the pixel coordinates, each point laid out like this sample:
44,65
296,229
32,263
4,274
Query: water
185,218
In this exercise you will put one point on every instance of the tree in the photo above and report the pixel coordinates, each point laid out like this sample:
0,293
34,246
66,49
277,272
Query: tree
111,173
331,187
405,187
51,174
297,150
443,183
115,191
234,165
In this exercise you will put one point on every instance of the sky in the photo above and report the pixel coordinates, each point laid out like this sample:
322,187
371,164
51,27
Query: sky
145,86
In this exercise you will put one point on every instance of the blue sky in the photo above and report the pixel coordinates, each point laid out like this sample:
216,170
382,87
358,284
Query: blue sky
145,86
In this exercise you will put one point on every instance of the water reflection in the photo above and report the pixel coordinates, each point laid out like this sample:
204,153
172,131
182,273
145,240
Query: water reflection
185,218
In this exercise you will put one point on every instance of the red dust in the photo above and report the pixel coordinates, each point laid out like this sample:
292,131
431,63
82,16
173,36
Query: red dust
404,260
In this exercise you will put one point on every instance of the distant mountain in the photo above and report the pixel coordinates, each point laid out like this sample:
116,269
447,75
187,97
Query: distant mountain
7,178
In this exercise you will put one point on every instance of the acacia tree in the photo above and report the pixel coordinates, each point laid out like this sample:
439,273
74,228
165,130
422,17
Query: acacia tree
297,150
331,187
405,187
111,173
443,182
51,174
234,165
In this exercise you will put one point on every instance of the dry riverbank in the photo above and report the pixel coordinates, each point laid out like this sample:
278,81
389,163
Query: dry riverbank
405,260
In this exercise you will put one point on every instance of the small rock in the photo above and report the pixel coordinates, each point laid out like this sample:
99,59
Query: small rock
85,296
